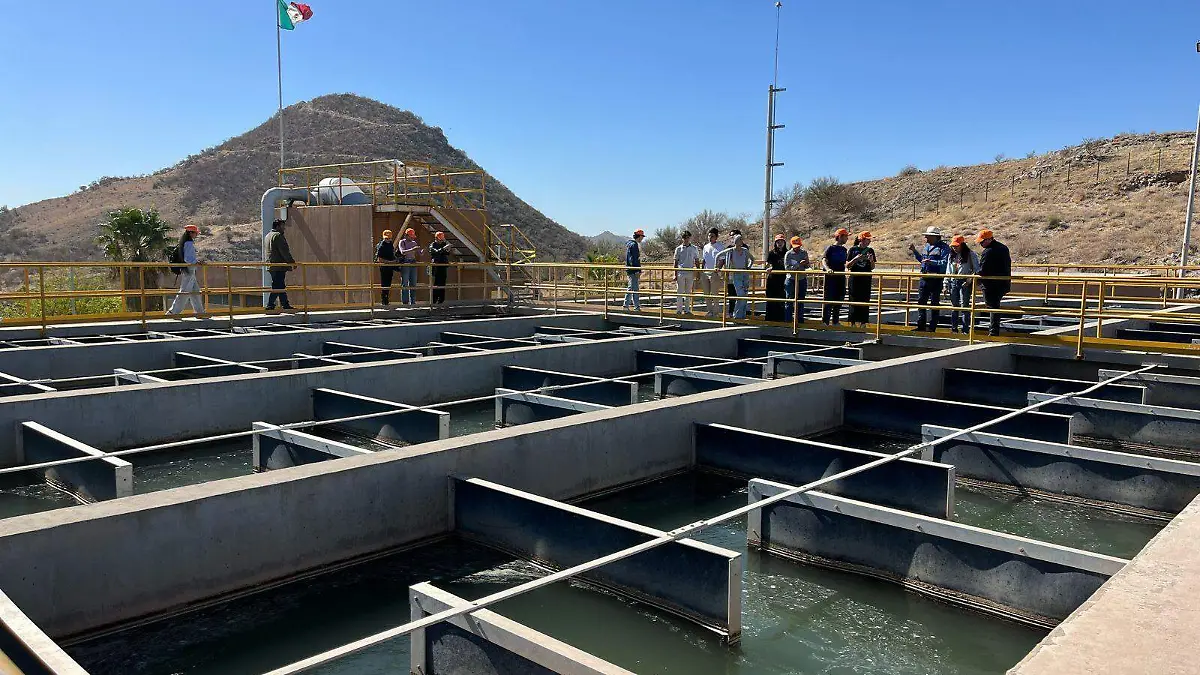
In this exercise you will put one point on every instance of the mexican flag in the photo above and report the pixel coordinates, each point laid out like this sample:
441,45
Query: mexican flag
293,13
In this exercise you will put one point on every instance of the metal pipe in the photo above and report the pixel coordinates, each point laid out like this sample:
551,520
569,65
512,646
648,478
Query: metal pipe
670,537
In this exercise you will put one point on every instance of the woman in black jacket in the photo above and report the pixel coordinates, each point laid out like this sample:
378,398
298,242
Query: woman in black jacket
861,258
995,266
385,251
439,255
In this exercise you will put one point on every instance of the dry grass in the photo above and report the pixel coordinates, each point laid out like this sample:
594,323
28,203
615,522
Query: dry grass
1122,218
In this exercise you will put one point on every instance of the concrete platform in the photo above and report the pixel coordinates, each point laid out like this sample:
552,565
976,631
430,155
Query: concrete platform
1144,621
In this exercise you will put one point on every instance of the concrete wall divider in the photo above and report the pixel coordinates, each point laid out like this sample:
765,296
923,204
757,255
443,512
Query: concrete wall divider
908,484
697,581
276,448
675,382
485,642
409,424
1163,485
1011,390
1176,391
780,363
515,407
648,360
100,479
904,414
586,388
1150,425
1027,580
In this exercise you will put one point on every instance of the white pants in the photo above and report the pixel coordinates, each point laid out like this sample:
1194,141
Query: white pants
189,292
711,285
686,283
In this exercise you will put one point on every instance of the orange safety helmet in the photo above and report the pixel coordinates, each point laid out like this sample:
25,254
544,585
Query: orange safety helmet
983,234
864,235
797,241
192,228
410,232
440,236
387,234
958,240
780,237
639,233
841,231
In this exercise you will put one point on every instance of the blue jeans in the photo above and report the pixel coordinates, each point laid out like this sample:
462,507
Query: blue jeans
790,288
930,295
960,296
408,285
632,297
741,286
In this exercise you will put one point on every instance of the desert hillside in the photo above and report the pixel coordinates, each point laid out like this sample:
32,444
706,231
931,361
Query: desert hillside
219,188
1119,200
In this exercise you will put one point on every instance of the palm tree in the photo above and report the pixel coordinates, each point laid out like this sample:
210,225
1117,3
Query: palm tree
134,235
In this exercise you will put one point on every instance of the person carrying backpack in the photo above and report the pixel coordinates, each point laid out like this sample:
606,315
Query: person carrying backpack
186,262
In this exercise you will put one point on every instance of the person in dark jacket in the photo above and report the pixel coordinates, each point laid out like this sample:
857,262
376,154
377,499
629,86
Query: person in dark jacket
280,261
861,258
439,255
633,268
835,280
995,266
385,252
775,282
933,258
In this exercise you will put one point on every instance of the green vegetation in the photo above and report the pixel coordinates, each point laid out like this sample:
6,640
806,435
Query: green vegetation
59,280
134,235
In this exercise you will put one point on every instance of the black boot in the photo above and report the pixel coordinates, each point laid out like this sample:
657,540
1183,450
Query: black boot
283,301
384,296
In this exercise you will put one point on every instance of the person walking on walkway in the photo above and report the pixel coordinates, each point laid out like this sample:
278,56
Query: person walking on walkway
835,280
439,255
795,286
933,258
280,261
385,252
633,269
710,279
189,287
995,268
738,257
775,282
730,291
861,258
409,253
963,261
687,259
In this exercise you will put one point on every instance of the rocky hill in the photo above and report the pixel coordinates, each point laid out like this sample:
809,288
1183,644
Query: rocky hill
1119,200
219,188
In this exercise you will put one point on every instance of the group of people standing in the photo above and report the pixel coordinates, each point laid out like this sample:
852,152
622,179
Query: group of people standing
937,260
405,253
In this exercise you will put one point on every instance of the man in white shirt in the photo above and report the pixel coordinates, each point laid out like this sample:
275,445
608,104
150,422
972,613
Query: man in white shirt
710,280
687,258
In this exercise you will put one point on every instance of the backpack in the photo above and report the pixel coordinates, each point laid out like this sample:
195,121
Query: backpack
175,256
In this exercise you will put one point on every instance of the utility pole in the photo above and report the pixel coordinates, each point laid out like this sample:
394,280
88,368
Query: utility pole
279,77
1187,223
769,200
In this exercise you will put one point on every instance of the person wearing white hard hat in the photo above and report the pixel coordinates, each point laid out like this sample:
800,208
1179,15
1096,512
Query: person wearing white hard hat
933,258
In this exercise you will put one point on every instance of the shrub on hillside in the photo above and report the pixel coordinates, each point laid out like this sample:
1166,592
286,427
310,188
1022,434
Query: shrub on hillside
910,170
829,195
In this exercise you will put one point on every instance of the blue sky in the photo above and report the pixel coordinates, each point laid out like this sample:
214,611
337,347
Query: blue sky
604,115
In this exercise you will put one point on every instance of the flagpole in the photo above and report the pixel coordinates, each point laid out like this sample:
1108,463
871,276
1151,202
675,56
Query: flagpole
279,73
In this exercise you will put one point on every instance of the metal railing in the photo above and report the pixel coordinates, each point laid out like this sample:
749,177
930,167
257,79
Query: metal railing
393,182
50,293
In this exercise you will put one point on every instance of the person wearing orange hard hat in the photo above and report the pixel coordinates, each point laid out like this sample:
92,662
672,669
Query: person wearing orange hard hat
795,286
189,288
408,252
995,268
439,256
861,261
835,278
775,279
633,269
963,262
